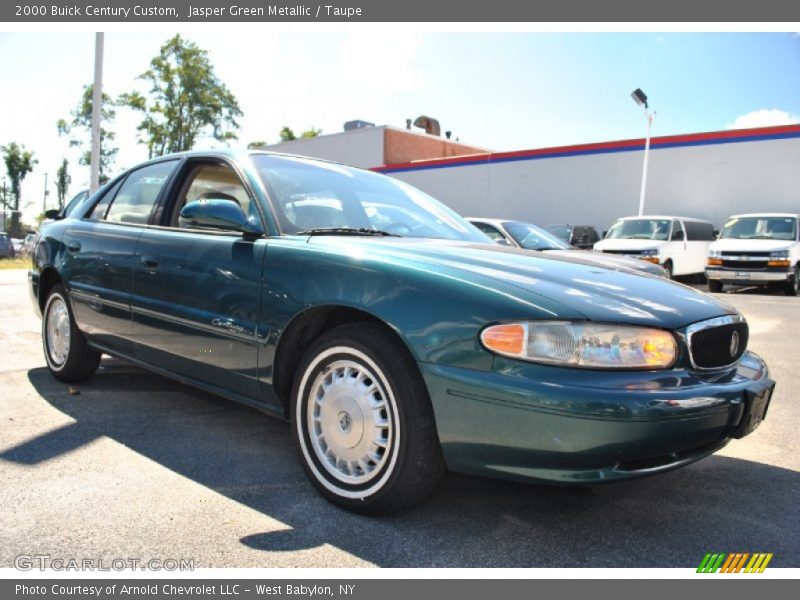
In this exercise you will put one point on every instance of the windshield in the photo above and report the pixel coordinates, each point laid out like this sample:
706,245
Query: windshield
312,196
639,229
760,228
532,237
560,231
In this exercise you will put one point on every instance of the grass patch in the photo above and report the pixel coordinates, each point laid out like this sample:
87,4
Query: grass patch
15,263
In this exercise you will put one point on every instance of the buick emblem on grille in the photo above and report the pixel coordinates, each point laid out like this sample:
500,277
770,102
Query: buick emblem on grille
734,348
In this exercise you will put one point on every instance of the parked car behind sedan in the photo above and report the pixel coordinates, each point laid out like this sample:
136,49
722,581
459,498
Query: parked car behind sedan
391,333
6,246
679,244
580,236
757,249
532,237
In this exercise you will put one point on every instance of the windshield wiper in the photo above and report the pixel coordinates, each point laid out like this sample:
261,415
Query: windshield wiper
364,231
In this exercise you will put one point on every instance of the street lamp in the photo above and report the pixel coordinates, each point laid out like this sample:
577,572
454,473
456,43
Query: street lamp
641,99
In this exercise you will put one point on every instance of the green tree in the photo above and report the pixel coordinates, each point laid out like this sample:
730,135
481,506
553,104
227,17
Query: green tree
287,135
310,133
19,162
81,118
186,100
255,145
63,179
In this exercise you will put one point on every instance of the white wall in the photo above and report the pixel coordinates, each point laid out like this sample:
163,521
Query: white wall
709,181
359,148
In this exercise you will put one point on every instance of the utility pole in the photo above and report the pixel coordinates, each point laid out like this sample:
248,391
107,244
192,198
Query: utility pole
44,198
5,205
97,107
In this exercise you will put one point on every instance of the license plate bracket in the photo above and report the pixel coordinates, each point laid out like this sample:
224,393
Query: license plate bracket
755,409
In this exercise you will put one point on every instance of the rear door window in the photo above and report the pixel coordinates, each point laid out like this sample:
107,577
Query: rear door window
138,195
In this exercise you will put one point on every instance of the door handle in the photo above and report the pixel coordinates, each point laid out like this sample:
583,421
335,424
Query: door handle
151,262
73,246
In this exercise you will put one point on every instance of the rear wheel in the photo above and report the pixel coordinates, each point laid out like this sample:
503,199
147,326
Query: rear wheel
793,286
668,268
69,358
363,422
714,286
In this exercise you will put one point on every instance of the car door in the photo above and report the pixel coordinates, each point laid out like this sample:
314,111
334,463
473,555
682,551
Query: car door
196,292
99,253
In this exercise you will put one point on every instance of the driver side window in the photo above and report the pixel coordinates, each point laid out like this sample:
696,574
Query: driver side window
213,182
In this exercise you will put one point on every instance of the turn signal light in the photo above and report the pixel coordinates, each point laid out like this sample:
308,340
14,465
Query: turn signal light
778,263
650,259
505,339
715,261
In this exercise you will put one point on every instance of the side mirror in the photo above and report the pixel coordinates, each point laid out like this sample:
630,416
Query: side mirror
502,242
677,236
716,234
605,233
52,214
216,214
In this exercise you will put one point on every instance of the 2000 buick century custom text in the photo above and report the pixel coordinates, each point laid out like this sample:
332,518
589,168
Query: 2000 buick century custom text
392,334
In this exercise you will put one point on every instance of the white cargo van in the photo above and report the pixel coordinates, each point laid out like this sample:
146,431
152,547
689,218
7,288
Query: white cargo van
756,249
679,244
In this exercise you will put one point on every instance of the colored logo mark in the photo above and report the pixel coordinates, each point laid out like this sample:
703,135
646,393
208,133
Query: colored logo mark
735,562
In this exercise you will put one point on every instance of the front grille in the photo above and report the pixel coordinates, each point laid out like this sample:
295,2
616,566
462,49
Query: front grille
743,264
717,343
747,254
628,252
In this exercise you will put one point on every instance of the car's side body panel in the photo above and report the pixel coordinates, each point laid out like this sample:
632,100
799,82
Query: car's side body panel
195,305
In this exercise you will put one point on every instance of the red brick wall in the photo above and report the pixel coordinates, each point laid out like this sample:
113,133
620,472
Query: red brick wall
401,147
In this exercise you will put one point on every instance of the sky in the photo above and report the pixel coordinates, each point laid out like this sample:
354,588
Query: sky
500,91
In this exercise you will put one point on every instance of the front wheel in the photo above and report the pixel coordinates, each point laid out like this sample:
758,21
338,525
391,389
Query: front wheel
69,358
363,422
793,286
715,286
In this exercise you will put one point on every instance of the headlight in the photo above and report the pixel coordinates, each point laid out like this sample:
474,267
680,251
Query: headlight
650,252
714,254
779,254
579,344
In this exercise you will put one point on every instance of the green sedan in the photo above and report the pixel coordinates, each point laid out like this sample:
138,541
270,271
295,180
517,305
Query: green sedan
396,339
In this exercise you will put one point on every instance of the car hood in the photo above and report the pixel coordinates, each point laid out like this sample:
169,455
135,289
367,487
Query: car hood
734,245
632,245
599,294
610,261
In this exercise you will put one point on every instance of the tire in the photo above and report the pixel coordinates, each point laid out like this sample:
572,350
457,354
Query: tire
69,358
363,422
793,286
714,286
668,267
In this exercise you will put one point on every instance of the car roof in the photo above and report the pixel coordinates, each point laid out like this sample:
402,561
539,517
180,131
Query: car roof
663,217
489,221
766,214
234,153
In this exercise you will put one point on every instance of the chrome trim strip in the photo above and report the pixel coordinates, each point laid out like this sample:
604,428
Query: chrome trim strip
694,328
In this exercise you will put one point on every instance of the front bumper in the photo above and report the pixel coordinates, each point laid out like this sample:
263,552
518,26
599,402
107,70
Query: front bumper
743,277
533,422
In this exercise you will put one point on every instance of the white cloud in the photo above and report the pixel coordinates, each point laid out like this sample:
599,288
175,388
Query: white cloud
764,117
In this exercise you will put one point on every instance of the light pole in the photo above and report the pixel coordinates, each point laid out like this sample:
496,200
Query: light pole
97,106
641,99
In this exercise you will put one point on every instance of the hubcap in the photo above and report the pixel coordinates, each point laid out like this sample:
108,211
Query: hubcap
58,334
349,422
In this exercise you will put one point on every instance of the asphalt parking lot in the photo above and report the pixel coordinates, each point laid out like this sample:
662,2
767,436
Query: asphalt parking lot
135,465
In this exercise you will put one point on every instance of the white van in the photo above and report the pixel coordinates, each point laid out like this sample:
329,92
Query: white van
679,244
756,249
